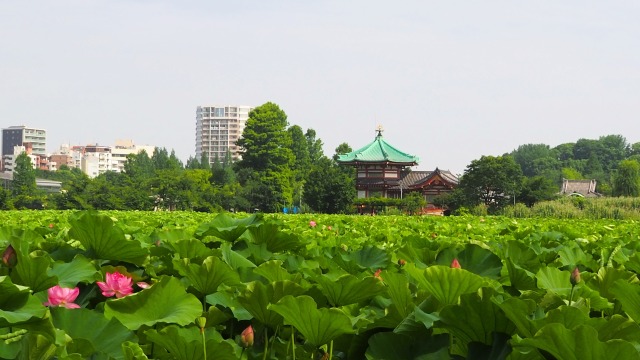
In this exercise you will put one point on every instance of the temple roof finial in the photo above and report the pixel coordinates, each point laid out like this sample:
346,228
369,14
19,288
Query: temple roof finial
379,129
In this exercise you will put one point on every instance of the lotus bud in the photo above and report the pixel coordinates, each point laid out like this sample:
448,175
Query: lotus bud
201,322
455,264
402,262
575,277
9,257
377,274
247,337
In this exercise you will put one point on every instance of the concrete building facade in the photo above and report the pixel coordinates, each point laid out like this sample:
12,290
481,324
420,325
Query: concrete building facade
217,130
19,135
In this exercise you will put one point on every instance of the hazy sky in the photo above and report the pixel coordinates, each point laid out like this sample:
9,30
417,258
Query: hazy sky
449,80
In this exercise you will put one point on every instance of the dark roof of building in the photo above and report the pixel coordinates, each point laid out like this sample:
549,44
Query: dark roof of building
413,178
378,151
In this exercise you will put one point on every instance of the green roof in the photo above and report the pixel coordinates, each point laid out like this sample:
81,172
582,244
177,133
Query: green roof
378,151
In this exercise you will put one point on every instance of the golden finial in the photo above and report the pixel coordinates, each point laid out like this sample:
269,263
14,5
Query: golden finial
379,129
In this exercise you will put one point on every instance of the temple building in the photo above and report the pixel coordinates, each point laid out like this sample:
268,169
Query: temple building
384,171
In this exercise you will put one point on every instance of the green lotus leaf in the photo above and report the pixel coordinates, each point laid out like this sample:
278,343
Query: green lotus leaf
371,257
446,284
554,280
37,347
186,343
17,305
476,319
606,276
479,261
257,297
416,322
133,351
348,289
190,249
519,311
392,346
579,343
227,228
165,302
103,240
32,268
207,277
398,290
570,317
273,271
231,302
615,327
318,326
571,255
629,296
233,259
499,349
10,350
274,240
520,278
74,272
104,335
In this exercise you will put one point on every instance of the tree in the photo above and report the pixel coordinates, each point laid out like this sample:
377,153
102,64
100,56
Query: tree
413,202
24,177
491,180
25,194
626,181
531,156
266,150
328,188
343,148
537,188
315,146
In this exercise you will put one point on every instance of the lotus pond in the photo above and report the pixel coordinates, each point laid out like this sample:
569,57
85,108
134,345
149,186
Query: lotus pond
137,285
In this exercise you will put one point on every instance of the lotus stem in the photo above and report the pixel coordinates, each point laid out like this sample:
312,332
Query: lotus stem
571,294
266,344
204,344
330,350
293,343
273,339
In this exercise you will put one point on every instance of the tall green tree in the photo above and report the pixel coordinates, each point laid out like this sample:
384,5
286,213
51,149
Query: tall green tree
266,151
329,189
626,181
24,176
535,159
491,180
315,146
25,194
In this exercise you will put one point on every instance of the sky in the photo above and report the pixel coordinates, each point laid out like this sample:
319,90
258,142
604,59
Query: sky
449,81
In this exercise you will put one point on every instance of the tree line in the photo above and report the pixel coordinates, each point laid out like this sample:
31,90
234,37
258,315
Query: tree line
282,166
534,172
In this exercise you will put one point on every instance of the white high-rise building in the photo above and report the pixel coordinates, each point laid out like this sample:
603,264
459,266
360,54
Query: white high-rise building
217,130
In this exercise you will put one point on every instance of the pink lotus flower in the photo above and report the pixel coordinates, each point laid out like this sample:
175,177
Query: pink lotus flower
455,264
312,223
65,297
116,284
